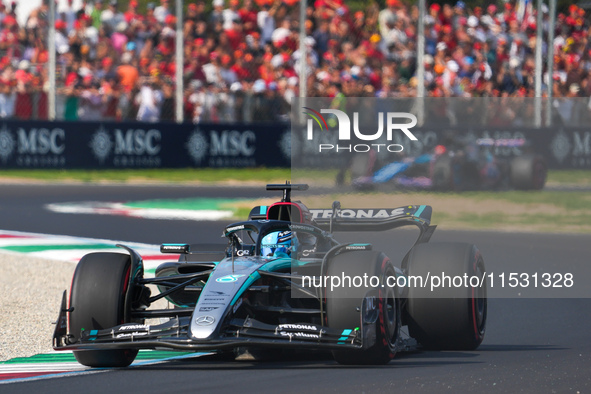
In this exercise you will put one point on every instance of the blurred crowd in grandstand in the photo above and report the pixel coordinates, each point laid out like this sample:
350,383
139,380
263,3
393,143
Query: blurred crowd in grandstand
116,60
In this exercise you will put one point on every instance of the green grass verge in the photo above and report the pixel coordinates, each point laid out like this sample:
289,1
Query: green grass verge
545,211
569,177
214,175
572,200
184,175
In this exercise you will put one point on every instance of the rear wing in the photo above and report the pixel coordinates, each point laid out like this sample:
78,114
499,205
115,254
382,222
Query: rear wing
372,219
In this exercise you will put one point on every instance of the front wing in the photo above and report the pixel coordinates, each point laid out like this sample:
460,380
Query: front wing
237,333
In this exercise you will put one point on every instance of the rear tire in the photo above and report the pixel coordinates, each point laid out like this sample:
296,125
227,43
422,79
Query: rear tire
362,167
528,172
450,317
97,300
343,306
442,175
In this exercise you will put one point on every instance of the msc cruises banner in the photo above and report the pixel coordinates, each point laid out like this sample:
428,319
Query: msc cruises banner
93,145
562,148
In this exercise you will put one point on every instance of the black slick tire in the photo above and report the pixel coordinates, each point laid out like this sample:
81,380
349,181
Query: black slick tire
343,306
447,317
97,301
528,172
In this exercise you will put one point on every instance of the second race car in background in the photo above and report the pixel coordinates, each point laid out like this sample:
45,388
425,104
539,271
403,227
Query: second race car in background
454,166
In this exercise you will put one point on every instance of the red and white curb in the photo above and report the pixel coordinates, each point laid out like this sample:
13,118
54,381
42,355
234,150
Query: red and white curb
71,249
103,208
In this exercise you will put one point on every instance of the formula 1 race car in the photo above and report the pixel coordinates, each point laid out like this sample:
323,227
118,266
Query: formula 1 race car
273,286
454,167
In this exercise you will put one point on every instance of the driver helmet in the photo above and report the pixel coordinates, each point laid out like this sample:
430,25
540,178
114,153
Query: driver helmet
278,244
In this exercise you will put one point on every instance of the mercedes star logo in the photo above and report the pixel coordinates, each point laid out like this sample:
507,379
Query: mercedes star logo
204,320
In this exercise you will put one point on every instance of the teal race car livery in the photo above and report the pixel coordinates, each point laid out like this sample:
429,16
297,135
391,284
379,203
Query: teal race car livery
266,288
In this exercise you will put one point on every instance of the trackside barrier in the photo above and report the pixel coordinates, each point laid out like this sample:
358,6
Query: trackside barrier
101,145
104,145
562,147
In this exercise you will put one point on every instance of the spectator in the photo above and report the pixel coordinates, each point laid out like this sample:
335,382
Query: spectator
168,102
127,73
388,17
131,16
227,75
23,101
196,12
91,104
212,69
106,71
111,17
69,15
149,100
162,11
7,98
217,14
229,15
2,12
109,90
96,14
266,20
248,16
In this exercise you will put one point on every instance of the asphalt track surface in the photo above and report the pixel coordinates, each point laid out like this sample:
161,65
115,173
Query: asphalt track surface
531,345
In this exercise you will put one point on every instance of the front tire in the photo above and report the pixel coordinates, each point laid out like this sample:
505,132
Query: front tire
343,306
448,317
97,301
528,172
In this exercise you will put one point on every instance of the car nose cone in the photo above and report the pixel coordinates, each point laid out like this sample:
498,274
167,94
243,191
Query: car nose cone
204,320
